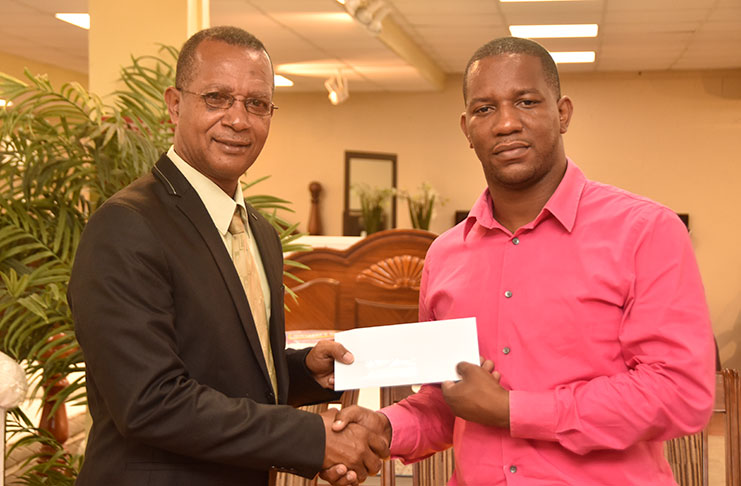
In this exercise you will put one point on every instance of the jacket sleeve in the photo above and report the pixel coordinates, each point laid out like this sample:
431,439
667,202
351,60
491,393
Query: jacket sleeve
304,390
121,295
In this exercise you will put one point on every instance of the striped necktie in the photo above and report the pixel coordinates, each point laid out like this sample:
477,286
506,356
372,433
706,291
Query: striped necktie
244,261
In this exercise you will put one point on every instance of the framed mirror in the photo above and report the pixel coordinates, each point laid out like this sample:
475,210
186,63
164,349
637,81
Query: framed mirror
374,171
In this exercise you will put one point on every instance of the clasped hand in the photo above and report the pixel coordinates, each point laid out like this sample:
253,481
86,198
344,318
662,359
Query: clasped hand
357,439
354,445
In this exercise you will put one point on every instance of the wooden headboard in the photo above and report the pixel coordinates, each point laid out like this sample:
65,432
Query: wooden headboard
374,282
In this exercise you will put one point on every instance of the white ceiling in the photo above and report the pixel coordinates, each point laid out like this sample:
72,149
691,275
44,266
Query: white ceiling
316,37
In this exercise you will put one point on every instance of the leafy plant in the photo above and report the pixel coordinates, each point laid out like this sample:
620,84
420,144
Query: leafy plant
421,205
373,201
63,152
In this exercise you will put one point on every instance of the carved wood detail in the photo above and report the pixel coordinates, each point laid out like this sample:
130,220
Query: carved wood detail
397,272
315,219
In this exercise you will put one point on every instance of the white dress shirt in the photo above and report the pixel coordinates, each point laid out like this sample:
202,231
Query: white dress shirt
221,208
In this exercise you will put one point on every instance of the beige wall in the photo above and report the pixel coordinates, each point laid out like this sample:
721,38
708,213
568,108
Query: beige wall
14,66
674,137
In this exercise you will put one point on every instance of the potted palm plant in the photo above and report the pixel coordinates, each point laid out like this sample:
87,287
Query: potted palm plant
63,152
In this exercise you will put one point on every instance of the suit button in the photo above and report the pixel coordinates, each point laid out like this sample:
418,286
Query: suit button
270,397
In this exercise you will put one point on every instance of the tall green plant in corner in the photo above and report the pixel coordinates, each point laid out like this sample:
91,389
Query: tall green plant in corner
63,152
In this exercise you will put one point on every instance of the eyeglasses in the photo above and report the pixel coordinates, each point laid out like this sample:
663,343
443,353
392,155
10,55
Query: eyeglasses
224,101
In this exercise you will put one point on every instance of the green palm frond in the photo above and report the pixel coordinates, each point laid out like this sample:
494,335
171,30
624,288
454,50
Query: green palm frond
49,465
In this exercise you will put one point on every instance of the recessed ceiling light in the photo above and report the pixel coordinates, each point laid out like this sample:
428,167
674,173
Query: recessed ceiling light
572,57
282,80
79,19
553,31
4,103
513,1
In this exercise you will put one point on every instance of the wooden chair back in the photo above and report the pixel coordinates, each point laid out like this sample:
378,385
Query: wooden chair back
374,282
688,455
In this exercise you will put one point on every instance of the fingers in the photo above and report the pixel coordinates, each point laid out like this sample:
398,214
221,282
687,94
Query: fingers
488,365
369,442
372,463
379,446
338,475
351,477
333,474
351,414
321,359
337,351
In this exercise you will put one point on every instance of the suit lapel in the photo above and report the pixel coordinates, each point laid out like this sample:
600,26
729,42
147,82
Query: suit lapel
190,204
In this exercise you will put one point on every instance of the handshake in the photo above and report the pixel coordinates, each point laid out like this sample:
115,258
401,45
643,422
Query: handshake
357,439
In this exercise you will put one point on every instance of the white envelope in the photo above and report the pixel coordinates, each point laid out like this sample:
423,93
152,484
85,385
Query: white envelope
406,354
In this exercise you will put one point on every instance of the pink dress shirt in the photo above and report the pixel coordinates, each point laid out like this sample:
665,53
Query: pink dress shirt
595,316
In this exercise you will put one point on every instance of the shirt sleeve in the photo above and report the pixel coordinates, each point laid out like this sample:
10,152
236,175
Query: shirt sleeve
421,424
667,346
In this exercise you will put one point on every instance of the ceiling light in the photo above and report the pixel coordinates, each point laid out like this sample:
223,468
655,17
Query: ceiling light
553,31
337,88
282,80
513,1
79,19
572,57
369,13
4,103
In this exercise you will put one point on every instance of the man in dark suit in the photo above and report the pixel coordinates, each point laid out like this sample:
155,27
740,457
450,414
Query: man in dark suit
182,387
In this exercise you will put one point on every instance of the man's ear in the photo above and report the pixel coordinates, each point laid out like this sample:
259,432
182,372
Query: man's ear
565,110
464,129
172,99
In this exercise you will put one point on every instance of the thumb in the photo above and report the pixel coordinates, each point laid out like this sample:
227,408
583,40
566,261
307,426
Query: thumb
464,369
346,416
340,353
487,365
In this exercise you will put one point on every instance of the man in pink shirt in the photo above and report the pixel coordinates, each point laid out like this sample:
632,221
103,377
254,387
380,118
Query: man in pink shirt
590,310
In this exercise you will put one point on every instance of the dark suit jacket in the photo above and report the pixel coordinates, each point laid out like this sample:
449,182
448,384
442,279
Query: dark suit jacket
177,384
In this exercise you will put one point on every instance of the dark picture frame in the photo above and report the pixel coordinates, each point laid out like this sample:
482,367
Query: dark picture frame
375,169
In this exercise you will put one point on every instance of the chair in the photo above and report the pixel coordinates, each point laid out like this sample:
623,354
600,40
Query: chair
374,282
688,455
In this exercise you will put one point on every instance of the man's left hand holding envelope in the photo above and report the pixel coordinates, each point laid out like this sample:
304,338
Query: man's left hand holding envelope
443,351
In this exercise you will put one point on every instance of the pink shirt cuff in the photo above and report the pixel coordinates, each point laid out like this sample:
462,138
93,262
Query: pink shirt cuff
532,415
403,430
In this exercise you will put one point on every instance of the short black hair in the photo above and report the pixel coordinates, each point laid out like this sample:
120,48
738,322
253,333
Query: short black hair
234,36
516,45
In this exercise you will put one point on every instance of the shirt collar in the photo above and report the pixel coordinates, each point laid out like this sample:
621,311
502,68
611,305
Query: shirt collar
563,203
218,204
